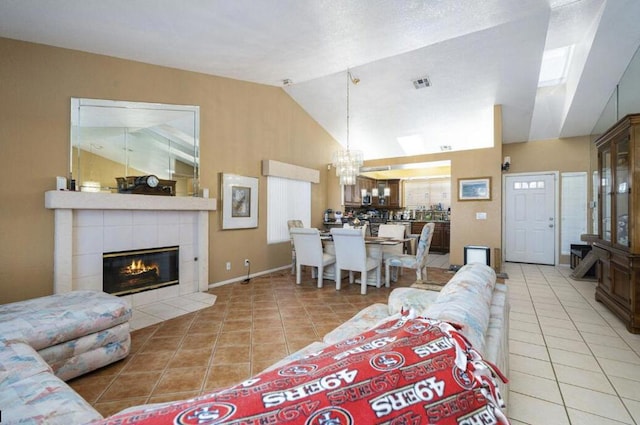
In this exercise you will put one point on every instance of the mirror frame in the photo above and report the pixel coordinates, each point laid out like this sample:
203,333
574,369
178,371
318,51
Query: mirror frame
135,114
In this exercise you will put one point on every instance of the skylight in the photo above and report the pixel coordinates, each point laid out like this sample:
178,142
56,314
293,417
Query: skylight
412,145
555,66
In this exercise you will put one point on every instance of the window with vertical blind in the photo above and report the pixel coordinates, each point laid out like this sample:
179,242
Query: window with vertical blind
287,199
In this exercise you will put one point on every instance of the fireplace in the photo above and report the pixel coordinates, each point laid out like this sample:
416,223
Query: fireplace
128,272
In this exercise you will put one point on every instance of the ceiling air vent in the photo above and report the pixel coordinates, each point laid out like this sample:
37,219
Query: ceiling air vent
422,82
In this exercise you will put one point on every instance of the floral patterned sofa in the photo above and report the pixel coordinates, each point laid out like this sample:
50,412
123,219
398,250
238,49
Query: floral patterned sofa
45,341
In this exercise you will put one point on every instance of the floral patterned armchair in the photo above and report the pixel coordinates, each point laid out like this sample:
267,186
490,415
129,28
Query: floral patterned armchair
417,262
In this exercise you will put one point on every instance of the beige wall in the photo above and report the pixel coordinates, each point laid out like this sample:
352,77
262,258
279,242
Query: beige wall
241,124
562,155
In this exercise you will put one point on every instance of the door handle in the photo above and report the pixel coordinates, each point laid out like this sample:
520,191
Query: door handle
550,225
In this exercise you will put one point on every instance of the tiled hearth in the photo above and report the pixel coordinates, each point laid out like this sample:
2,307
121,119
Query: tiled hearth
169,308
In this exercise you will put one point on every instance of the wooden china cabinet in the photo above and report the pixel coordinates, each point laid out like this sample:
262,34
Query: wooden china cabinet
618,244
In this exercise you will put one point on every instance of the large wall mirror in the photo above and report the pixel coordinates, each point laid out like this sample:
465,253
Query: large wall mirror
115,139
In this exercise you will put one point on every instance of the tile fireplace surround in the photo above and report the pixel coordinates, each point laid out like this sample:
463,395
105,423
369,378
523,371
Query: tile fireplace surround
89,224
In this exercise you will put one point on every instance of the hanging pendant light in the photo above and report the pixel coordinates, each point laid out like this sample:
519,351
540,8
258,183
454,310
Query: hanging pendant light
348,162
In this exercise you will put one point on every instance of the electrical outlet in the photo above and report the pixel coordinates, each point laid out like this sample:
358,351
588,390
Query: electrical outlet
246,262
228,265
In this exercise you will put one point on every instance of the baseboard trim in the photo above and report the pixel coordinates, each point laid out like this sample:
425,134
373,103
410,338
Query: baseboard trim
251,276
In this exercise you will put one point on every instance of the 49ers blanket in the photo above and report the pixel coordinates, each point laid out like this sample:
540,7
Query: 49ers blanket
406,371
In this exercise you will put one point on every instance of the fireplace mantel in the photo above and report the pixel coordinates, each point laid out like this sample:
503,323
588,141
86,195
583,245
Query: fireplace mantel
62,199
73,209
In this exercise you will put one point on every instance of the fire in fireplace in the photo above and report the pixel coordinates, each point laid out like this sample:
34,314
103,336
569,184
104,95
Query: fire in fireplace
128,272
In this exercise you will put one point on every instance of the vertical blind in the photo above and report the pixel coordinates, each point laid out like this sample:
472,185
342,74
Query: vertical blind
574,210
287,199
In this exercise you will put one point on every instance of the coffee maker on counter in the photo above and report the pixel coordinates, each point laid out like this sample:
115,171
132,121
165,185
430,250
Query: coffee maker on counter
328,215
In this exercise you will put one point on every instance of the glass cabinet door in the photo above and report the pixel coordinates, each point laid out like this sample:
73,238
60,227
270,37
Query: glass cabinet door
605,194
381,186
622,189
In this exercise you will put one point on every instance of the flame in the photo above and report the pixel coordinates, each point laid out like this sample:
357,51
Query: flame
138,267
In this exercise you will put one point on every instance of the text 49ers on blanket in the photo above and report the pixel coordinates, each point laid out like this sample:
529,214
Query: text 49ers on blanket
408,370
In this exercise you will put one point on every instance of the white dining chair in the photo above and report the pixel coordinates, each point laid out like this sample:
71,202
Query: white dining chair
363,228
291,224
351,255
395,231
309,252
417,262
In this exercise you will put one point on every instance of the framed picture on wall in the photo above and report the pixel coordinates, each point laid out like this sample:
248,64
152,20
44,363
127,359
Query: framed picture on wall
478,189
239,196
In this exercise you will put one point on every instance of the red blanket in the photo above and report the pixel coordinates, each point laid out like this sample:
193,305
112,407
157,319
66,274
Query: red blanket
407,371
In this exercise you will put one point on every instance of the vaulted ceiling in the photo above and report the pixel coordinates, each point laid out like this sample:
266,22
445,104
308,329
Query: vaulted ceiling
474,53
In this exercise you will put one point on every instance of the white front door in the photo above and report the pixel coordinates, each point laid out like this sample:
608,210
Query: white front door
530,222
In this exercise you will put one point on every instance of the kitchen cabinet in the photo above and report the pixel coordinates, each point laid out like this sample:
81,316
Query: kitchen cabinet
442,232
395,198
380,200
440,241
617,246
446,240
367,184
351,196
353,193
391,201
437,241
416,227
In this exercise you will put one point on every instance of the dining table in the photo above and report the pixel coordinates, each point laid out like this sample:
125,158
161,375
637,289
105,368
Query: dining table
374,245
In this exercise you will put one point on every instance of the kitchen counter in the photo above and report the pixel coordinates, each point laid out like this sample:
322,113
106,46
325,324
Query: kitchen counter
330,224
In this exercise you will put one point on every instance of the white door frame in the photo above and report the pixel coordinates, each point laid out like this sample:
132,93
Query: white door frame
556,230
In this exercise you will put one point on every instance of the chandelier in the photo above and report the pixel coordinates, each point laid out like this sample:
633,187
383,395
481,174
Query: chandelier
348,162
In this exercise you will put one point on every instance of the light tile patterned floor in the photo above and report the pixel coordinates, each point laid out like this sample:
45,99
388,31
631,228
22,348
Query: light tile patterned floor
572,361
